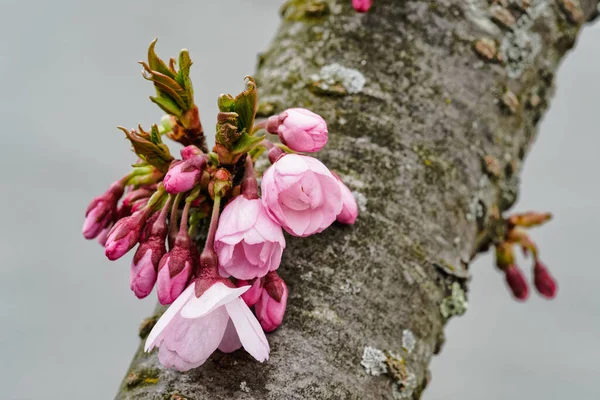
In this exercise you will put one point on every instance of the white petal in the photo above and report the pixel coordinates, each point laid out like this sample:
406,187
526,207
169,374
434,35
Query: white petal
171,359
168,315
200,338
216,295
248,329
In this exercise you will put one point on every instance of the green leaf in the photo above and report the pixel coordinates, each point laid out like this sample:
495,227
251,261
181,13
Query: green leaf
156,63
226,103
185,62
246,143
149,147
174,90
155,135
167,105
167,87
246,104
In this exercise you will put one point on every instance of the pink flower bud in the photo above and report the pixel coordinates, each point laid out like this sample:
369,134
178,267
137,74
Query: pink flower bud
184,175
252,296
190,151
300,129
138,194
273,300
102,211
125,234
148,255
275,153
142,276
104,235
349,211
301,194
139,205
362,6
516,282
174,272
248,242
544,282
175,269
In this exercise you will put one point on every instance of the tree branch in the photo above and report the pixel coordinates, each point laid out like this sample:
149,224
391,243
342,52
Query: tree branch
429,125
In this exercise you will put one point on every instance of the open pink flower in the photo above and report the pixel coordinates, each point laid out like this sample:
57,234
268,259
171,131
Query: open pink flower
349,211
299,129
301,194
248,242
193,328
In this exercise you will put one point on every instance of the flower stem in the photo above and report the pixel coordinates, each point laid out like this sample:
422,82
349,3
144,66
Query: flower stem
183,227
249,183
173,221
214,222
258,126
161,222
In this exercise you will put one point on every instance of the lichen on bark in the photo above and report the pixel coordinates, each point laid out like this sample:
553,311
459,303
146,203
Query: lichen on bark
432,146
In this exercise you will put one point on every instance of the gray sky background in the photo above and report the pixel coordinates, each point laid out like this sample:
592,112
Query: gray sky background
68,321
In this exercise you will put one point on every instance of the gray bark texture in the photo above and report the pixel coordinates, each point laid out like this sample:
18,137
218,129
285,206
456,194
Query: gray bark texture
428,126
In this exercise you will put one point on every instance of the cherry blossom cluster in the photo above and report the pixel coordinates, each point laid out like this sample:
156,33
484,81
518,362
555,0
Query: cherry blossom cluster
166,207
516,235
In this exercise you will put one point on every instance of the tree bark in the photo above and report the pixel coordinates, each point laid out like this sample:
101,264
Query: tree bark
428,126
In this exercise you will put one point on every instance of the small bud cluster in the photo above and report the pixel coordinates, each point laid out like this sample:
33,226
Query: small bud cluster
516,235
163,205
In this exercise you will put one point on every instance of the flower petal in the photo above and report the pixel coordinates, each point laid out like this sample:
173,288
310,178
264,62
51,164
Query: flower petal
171,359
231,341
215,296
248,329
168,315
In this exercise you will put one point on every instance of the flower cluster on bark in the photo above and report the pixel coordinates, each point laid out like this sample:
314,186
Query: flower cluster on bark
165,205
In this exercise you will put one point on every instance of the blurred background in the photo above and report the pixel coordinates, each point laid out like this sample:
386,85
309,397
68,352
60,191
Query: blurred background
68,321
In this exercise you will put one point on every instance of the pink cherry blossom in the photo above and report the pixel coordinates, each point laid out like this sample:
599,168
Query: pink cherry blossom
362,6
301,194
248,242
272,303
193,328
300,129
349,211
